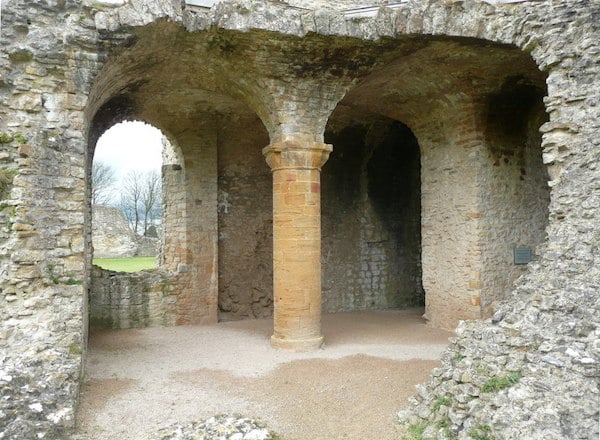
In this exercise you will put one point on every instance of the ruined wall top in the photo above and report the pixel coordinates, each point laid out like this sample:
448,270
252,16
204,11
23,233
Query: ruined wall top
63,60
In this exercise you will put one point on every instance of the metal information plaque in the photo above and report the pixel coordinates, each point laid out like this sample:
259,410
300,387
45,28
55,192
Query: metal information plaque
522,255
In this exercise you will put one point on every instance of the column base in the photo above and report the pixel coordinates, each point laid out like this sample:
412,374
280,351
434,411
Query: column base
297,344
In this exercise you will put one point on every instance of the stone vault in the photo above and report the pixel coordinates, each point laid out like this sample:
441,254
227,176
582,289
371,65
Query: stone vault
324,159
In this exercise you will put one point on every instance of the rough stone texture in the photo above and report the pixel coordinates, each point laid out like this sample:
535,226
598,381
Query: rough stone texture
516,180
245,222
371,217
226,427
70,69
130,300
113,238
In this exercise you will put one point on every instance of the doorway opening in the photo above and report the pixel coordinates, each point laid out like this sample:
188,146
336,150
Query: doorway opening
371,217
126,197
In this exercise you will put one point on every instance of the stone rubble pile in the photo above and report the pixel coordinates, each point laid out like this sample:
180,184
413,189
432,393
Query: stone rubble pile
531,372
221,427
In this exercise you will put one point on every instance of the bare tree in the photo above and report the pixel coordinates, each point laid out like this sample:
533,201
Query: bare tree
103,178
151,198
141,199
131,196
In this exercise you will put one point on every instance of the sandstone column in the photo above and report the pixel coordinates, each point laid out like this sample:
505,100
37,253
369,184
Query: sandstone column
296,170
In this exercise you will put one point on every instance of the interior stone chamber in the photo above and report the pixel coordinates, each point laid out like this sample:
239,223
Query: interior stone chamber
432,182
324,160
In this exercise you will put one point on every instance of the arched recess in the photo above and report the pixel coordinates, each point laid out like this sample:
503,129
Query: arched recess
371,215
125,298
475,108
212,182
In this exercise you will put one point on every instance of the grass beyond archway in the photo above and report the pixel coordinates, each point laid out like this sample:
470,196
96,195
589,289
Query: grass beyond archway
133,264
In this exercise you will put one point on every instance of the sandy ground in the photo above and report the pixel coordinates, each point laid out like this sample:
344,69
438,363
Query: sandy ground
139,380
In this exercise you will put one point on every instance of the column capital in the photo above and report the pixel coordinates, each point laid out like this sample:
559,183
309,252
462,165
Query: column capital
292,155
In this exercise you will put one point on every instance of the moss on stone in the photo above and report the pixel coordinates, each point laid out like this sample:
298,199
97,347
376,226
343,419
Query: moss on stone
20,138
500,382
441,401
5,138
75,349
20,56
481,432
6,180
415,432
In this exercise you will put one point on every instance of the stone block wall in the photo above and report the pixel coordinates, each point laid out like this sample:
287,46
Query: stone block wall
197,275
484,194
245,221
172,249
451,216
70,69
371,218
515,194
131,300
43,277
112,236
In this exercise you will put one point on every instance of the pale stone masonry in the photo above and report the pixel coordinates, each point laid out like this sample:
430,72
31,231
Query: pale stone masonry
460,130
112,236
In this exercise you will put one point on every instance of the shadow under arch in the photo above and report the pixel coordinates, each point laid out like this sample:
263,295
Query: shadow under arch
475,108
371,215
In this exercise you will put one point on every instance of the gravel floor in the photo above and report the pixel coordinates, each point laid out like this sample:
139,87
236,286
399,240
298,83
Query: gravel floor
138,381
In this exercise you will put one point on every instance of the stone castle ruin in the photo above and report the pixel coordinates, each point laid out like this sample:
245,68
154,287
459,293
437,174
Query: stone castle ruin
328,156
112,237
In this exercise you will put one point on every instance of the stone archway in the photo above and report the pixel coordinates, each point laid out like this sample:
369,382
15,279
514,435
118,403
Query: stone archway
371,215
51,60
462,98
217,136
445,78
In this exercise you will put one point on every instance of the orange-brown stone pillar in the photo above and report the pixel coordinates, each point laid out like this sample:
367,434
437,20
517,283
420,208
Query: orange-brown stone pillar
296,170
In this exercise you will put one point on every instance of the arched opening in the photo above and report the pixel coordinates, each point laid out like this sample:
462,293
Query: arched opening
128,186
371,216
475,108
127,197
216,259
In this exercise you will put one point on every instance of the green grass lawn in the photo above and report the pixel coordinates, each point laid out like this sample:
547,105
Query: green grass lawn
133,264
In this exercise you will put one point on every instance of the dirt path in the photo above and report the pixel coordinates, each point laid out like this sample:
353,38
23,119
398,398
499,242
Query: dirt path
139,380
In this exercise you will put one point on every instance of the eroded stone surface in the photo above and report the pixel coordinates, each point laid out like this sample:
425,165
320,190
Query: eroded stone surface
71,69
232,427
112,236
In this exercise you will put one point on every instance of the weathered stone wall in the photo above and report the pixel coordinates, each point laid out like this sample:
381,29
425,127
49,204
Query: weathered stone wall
112,236
130,300
371,218
198,278
245,221
147,246
172,249
43,278
291,66
371,246
515,197
451,215
502,378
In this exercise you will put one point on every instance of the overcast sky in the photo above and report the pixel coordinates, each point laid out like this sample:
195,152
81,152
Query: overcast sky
130,146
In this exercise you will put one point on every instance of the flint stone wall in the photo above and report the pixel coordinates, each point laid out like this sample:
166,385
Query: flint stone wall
546,331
